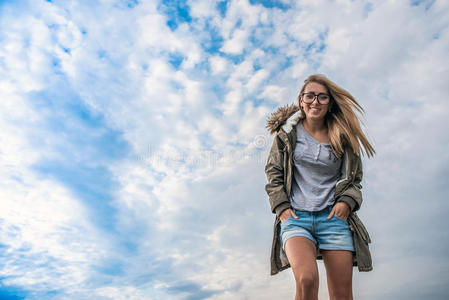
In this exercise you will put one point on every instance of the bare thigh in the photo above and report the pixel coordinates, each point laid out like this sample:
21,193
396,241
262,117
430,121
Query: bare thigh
338,265
301,253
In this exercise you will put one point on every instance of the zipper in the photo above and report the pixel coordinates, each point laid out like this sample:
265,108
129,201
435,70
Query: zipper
343,179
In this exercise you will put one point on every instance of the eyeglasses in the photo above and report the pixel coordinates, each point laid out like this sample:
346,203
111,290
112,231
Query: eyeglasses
322,98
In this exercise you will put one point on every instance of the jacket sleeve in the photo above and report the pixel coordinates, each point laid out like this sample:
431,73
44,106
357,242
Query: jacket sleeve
353,195
274,170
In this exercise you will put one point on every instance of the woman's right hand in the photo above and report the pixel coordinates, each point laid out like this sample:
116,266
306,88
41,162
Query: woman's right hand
286,214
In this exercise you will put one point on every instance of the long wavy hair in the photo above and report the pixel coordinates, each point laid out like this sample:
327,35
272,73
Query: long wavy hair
342,121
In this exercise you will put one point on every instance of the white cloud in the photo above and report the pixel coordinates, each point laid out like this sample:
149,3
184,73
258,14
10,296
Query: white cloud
274,93
45,232
218,64
203,8
236,44
256,80
47,240
127,292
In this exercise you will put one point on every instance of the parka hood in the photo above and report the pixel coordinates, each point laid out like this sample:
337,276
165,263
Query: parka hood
284,117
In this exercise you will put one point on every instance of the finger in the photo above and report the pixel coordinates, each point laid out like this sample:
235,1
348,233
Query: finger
294,215
331,214
341,215
342,212
285,214
338,214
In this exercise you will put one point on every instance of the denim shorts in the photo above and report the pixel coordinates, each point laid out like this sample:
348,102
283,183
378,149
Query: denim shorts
333,234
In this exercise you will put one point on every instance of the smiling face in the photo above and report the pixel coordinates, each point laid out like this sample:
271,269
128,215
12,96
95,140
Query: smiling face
315,110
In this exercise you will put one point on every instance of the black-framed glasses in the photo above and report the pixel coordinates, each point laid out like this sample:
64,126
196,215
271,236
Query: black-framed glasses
322,98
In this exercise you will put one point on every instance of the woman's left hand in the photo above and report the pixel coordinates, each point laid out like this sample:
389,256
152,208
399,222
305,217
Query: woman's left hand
341,210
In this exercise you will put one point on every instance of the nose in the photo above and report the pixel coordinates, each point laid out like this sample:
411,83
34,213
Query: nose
315,101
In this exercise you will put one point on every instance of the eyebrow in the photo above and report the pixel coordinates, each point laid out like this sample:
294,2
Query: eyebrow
316,93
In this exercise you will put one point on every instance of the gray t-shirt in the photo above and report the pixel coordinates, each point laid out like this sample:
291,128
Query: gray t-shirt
315,173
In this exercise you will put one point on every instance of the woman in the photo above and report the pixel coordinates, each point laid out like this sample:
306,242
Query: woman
314,172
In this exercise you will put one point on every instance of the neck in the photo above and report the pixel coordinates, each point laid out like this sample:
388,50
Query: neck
314,125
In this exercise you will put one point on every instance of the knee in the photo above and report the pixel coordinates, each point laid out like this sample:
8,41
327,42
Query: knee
307,281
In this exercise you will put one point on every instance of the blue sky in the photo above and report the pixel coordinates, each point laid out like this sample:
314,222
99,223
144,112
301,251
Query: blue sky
133,143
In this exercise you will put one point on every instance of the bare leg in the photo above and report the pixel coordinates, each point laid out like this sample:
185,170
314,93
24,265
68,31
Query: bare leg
338,265
301,253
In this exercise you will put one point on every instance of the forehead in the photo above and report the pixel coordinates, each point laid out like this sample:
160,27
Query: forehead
315,87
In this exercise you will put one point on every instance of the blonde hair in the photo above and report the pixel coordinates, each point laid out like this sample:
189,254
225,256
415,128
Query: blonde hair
342,121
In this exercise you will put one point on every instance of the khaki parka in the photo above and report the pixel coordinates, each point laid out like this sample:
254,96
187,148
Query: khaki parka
279,171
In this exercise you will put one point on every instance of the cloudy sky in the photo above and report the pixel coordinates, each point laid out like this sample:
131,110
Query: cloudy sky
133,143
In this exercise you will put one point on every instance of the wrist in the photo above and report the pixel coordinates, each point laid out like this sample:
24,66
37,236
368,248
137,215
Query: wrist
281,208
348,201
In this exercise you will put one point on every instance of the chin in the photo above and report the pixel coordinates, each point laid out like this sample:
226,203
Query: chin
315,117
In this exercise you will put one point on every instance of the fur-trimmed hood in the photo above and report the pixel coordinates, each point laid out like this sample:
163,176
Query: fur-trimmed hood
284,117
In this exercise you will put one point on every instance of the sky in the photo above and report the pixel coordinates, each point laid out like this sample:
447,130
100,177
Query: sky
133,143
